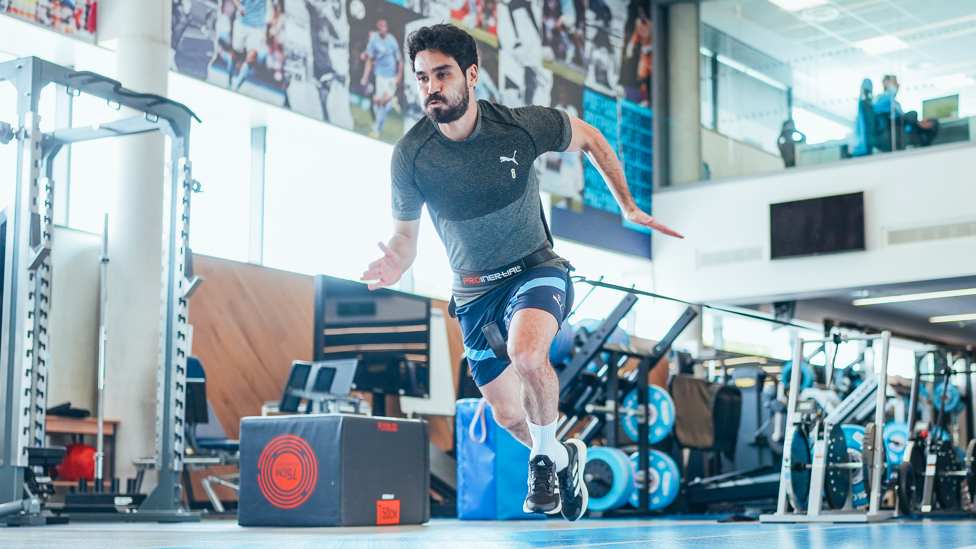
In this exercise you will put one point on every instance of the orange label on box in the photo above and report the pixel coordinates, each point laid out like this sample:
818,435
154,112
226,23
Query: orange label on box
388,512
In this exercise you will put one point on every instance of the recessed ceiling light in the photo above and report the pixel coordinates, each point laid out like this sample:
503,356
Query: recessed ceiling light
914,297
820,14
952,318
799,5
882,44
952,81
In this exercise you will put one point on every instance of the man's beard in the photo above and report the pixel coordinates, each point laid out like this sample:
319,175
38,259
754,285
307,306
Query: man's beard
450,110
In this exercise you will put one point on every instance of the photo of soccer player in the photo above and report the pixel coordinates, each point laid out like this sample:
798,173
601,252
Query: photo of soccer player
564,35
329,29
437,11
522,78
384,62
479,17
377,68
635,67
76,18
605,20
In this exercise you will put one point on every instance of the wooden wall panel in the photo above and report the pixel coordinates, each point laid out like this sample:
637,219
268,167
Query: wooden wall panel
249,323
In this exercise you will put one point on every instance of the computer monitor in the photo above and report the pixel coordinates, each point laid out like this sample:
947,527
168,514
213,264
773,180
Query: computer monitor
387,331
314,380
942,108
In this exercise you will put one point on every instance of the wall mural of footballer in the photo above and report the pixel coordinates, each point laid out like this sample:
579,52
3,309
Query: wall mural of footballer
344,62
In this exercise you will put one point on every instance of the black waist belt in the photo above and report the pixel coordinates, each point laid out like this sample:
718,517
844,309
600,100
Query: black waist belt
470,282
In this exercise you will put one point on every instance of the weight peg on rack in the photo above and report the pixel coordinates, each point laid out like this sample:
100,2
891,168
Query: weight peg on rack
663,480
660,415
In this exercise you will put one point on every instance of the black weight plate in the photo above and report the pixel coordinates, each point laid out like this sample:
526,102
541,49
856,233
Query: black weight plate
971,472
800,460
837,482
948,490
598,477
906,489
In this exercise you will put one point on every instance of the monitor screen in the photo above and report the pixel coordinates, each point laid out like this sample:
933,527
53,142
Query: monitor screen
943,108
817,226
387,331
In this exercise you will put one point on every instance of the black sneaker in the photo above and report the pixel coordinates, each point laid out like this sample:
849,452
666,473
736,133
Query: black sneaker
543,493
572,489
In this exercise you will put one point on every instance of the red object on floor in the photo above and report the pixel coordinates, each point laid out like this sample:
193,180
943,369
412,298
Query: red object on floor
79,462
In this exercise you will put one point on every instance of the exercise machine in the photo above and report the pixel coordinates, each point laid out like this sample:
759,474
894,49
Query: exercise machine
947,481
815,474
26,296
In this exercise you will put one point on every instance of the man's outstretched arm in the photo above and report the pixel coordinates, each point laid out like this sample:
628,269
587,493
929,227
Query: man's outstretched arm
588,139
398,256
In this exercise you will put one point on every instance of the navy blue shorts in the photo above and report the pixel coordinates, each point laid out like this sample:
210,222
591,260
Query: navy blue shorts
540,288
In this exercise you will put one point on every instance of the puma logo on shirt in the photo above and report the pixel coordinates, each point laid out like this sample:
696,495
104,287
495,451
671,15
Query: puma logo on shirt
507,159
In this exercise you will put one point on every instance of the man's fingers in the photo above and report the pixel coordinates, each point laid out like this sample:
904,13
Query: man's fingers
655,225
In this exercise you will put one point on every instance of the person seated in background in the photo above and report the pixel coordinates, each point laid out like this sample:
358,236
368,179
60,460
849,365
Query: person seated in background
869,125
909,130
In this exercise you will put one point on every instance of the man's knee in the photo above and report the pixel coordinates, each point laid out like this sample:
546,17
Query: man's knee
508,416
528,358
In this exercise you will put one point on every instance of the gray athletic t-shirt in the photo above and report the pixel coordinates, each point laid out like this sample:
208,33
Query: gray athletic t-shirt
482,193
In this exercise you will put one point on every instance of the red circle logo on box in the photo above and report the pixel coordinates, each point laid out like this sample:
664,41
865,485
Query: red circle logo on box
287,471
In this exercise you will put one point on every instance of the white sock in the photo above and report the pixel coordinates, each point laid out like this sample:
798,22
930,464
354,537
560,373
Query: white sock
544,442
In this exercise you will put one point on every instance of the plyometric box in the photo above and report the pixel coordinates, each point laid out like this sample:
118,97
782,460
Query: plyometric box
333,470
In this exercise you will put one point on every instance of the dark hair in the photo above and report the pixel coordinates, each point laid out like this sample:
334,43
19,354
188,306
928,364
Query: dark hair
447,39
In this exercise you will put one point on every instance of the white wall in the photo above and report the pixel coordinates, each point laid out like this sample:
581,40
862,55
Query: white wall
729,220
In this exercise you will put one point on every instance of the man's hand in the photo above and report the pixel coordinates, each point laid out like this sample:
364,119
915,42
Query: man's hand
638,217
386,270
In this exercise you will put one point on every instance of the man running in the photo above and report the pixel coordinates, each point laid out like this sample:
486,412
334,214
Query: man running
384,60
249,36
470,162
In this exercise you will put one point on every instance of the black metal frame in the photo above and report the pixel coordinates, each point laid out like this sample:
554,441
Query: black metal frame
26,291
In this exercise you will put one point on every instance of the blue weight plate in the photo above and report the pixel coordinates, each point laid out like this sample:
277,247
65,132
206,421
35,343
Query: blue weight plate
664,480
854,438
950,402
895,439
660,414
609,478
806,376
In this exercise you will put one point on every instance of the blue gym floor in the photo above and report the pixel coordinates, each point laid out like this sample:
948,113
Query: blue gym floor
936,534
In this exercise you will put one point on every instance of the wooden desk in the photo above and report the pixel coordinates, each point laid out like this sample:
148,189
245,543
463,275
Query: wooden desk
78,428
